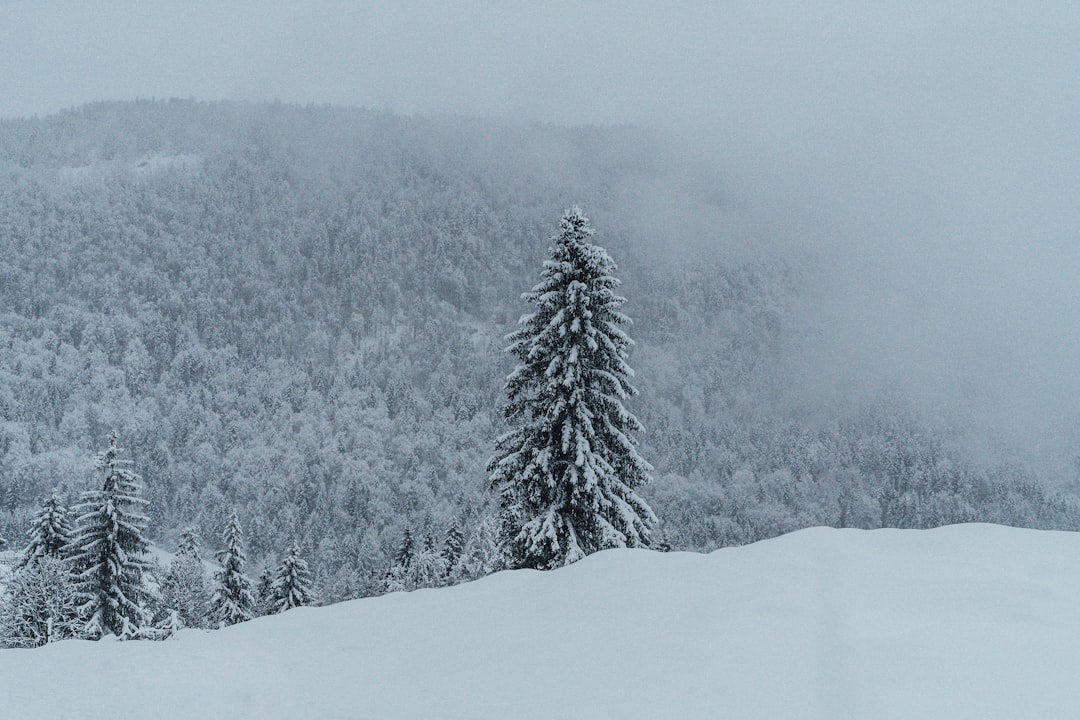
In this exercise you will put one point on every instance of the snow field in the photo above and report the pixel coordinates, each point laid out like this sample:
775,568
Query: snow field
972,621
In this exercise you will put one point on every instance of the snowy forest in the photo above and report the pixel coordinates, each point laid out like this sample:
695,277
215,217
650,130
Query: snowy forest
298,315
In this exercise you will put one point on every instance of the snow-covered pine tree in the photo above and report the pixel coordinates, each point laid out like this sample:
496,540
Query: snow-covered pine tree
292,583
50,534
399,576
566,473
452,548
108,550
406,552
232,602
264,591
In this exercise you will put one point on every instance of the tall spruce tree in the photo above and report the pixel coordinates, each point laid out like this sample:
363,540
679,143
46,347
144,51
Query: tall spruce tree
50,534
292,583
108,550
566,473
232,602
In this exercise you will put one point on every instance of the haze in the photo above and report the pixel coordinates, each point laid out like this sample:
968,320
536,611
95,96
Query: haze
926,158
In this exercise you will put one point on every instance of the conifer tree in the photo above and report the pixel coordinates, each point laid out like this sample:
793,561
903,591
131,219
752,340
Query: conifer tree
566,473
264,591
50,534
407,551
292,583
189,544
232,602
401,575
108,550
452,548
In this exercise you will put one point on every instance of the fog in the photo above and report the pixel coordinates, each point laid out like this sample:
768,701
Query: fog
923,160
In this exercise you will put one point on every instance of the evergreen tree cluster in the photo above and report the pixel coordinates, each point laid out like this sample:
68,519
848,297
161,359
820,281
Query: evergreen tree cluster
453,562
96,579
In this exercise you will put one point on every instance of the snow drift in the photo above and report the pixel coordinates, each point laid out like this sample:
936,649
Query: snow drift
975,621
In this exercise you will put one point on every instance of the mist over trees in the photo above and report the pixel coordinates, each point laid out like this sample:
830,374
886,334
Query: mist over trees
298,312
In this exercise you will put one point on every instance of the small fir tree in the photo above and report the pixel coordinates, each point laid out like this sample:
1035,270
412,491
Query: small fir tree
292,583
108,550
399,576
50,534
566,474
264,591
232,602
406,552
452,548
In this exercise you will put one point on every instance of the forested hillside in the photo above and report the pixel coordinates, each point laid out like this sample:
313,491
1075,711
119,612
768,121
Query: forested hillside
299,313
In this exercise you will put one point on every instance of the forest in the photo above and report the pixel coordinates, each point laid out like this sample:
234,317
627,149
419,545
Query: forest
298,313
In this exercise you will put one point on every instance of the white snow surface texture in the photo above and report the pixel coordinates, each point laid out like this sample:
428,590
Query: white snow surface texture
971,621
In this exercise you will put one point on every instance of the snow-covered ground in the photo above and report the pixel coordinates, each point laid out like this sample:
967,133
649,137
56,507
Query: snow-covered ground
973,621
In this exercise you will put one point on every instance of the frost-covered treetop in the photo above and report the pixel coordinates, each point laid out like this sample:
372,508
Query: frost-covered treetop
577,309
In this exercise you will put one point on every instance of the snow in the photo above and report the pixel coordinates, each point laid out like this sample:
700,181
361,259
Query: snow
144,166
161,557
972,621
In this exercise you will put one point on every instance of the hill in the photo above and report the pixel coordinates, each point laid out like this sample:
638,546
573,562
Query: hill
299,312
962,621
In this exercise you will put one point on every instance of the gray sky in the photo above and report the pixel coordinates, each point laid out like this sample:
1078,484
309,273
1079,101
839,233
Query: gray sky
929,151
746,64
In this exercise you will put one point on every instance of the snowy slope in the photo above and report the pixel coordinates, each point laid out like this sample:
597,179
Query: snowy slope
974,621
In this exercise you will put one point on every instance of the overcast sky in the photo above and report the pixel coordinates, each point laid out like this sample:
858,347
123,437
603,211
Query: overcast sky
750,63
931,149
